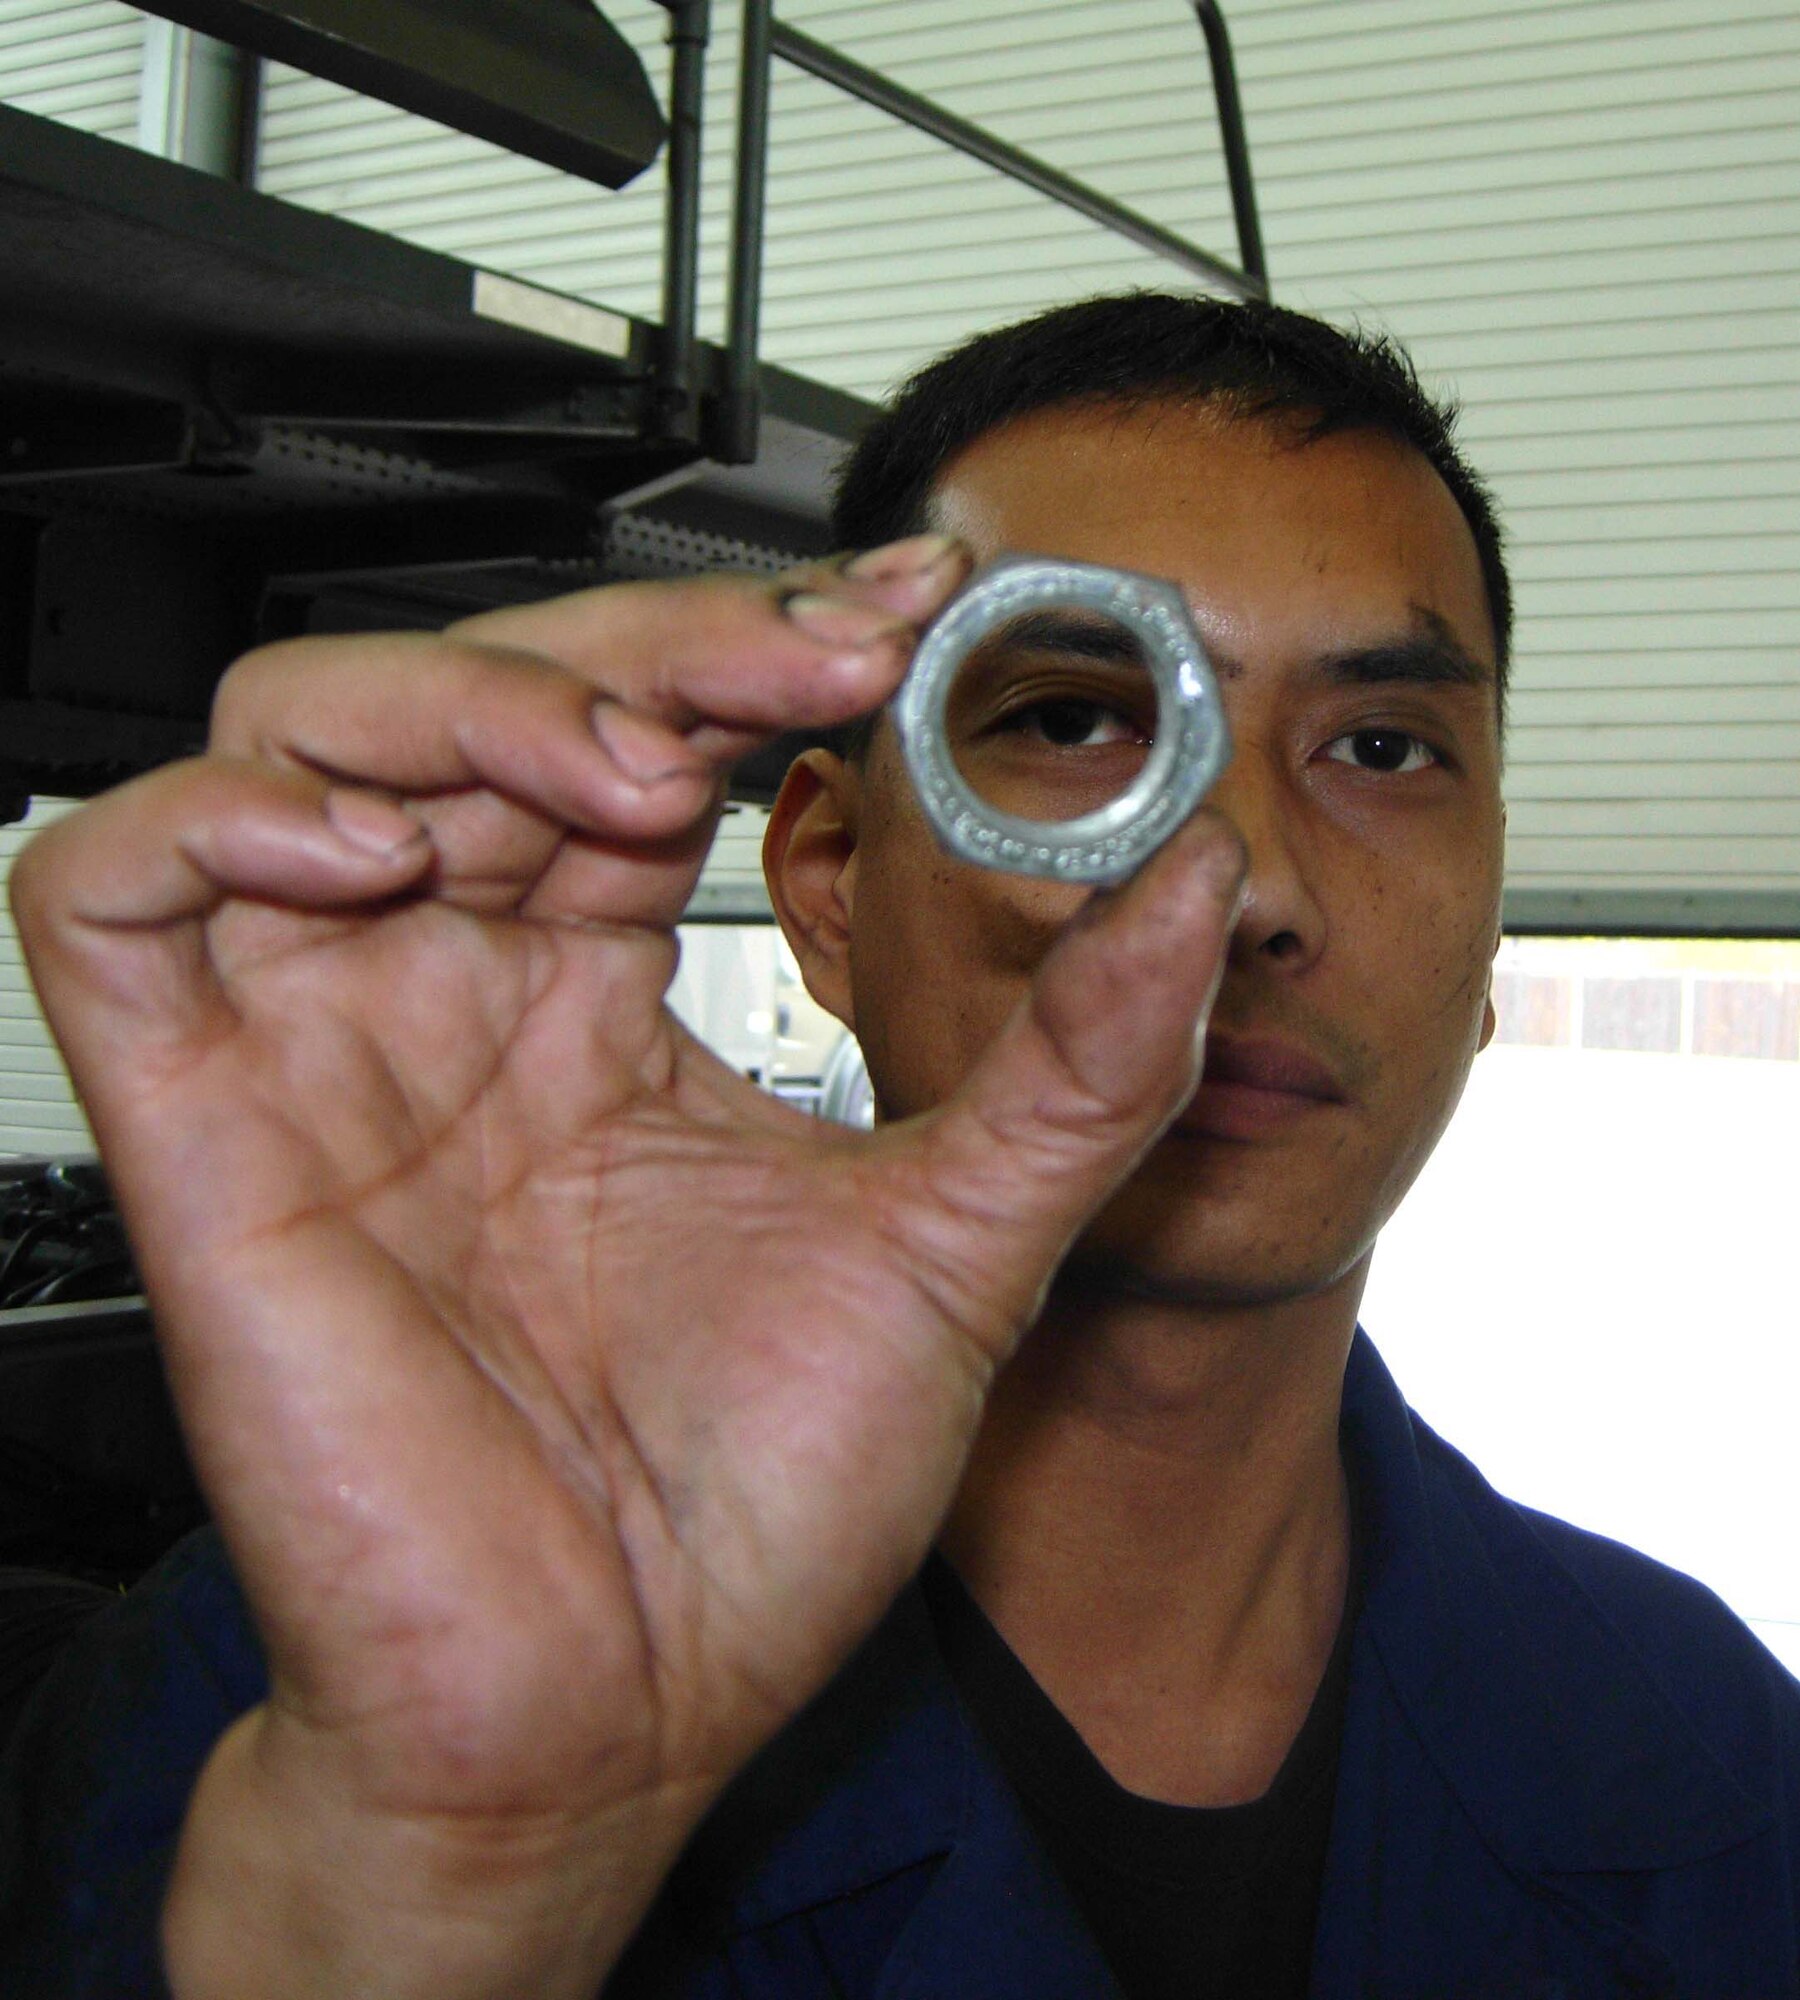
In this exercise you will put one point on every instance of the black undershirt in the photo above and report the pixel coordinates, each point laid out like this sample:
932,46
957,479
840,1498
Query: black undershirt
1186,1902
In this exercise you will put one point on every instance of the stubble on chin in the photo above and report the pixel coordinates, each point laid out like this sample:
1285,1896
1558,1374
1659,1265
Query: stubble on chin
1170,1240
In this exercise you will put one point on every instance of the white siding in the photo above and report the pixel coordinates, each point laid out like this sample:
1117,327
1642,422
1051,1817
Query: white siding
73,60
38,1112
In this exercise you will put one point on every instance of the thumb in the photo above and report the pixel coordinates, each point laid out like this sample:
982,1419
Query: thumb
1101,1053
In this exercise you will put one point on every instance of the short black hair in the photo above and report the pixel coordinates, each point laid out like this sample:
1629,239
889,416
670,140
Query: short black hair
1254,359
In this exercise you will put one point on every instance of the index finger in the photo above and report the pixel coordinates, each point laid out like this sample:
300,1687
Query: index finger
816,646
586,707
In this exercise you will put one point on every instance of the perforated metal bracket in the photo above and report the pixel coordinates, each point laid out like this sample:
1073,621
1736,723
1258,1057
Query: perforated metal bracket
1192,744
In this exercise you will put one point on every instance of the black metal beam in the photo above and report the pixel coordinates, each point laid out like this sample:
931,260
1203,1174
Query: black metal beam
441,534
677,387
59,747
833,67
1236,145
78,431
554,81
739,405
32,1334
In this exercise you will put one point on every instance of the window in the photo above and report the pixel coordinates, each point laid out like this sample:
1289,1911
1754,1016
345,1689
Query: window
739,990
1591,1289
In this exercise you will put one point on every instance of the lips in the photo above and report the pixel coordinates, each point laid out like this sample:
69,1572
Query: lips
1264,1063
1256,1086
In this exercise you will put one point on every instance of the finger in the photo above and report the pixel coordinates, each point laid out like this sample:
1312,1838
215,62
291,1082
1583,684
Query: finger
743,657
1082,1080
433,716
614,711
910,577
647,883
111,902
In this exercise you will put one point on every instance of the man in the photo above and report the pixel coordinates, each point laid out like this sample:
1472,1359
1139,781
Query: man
576,1417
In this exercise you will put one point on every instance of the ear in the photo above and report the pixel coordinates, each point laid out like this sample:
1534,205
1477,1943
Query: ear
1489,1019
809,863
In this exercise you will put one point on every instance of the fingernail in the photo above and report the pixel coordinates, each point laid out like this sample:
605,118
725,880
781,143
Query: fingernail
370,822
908,558
841,623
641,748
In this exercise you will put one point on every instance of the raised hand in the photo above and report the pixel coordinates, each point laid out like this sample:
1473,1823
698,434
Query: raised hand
569,1407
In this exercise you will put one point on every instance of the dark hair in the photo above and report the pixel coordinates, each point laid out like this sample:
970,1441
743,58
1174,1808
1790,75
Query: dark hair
1255,359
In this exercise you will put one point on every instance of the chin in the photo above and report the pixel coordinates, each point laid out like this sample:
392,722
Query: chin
1221,1247
1208,1268
1210,1224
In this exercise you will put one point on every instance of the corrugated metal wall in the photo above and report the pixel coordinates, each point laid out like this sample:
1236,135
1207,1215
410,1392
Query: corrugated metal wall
76,60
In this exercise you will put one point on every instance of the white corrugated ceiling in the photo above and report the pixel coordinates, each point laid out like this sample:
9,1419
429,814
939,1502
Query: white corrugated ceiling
75,60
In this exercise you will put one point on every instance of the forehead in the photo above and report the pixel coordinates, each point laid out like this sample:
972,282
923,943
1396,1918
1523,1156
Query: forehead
1279,544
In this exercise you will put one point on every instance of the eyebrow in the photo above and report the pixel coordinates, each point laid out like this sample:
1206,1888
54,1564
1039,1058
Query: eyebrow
1087,637
1430,657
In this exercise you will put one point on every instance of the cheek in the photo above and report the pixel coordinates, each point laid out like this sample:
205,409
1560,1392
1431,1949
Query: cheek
1424,950
940,954
1433,931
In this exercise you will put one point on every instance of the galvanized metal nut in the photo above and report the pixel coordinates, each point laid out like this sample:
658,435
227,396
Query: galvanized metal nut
1191,746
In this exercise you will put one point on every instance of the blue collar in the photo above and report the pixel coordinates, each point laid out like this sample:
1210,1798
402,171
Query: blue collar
1539,1713
882,1773
1477,1638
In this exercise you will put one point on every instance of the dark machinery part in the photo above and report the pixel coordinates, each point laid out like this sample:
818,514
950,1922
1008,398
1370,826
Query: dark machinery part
551,79
94,1478
95,1482
214,405
60,1236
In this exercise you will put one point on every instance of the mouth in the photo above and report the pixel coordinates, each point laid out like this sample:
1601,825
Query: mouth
1257,1086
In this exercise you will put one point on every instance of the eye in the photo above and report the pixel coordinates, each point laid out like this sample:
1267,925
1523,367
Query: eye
1394,752
1072,722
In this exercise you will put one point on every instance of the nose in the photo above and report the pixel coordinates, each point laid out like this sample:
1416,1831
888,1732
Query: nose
1282,923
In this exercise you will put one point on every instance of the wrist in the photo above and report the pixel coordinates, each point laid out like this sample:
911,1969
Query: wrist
297,1894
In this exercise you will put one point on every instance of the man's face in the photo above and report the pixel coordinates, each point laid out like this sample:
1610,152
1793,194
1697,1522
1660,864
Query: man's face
1339,594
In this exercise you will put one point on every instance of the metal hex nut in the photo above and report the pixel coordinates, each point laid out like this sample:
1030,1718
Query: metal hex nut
1191,747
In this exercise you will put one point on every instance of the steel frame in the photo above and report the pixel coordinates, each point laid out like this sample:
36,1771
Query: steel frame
764,38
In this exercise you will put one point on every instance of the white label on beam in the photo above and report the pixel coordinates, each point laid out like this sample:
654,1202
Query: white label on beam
552,314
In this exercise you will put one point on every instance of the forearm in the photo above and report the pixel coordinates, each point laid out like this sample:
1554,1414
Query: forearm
285,1893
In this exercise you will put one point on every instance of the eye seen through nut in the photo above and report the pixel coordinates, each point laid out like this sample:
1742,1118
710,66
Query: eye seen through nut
1061,719
1052,715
